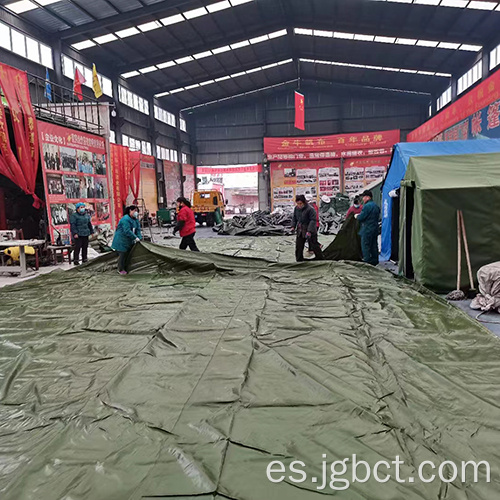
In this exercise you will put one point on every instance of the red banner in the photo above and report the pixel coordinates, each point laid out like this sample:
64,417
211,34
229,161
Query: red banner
228,170
300,112
20,167
475,100
121,167
75,169
332,146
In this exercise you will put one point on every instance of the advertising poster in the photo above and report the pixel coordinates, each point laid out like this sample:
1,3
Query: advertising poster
173,182
75,169
329,181
314,178
361,172
283,193
307,176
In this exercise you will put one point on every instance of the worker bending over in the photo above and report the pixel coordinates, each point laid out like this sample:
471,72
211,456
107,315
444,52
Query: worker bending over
369,219
186,225
304,221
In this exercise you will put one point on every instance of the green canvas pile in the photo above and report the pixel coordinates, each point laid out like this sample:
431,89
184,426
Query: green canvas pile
185,379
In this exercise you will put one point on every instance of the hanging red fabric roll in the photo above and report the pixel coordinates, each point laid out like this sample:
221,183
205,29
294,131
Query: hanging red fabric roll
21,165
135,174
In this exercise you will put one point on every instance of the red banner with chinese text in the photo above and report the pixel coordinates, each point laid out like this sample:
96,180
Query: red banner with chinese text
333,146
229,170
75,169
121,164
21,167
475,100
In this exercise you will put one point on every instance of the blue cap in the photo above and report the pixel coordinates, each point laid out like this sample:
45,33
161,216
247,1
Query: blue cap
80,204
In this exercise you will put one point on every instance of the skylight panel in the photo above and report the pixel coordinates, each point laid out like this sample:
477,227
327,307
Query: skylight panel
110,37
84,45
167,21
191,14
153,25
216,7
127,32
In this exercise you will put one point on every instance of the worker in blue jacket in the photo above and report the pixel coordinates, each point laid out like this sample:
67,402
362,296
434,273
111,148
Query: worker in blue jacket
81,228
369,220
127,234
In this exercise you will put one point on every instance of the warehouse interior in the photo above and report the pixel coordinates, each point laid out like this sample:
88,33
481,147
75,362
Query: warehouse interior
249,249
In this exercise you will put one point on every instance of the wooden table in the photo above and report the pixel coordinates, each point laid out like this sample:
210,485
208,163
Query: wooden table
22,269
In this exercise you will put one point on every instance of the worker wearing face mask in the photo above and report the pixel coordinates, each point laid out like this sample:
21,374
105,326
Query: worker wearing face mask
81,228
356,208
128,233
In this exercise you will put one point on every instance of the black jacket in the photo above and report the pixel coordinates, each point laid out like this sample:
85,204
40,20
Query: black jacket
305,220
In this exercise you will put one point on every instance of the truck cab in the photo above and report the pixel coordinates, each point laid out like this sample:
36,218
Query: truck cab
208,206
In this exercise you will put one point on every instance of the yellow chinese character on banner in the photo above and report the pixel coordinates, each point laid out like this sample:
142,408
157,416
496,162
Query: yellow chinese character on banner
341,140
480,94
309,142
353,139
296,142
366,138
321,142
285,144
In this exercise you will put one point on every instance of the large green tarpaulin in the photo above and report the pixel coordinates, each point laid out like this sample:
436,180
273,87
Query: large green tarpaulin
185,379
433,190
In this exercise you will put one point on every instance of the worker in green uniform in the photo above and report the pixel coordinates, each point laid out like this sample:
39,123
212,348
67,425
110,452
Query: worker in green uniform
369,219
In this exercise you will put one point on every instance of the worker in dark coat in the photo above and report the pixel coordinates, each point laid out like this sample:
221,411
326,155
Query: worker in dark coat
128,233
81,228
186,225
369,220
304,221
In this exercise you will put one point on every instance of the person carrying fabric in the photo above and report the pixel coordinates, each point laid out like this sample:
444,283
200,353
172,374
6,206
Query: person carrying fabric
369,219
81,228
186,225
304,221
128,233
356,208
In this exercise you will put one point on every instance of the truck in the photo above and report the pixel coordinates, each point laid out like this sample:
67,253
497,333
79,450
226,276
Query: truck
208,206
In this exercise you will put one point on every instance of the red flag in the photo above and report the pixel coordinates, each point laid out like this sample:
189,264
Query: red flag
77,84
299,111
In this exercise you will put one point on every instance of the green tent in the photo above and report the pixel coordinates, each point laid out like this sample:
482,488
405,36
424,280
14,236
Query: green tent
432,191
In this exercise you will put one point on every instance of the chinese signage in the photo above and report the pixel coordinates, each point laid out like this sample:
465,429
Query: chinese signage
360,173
331,147
470,104
75,169
229,170
121,164
484,124
320,178
315,178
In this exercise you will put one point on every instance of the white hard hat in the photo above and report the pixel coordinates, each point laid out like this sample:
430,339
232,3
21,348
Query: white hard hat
309,197
325,199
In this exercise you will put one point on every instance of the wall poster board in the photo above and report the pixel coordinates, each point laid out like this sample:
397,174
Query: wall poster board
75,169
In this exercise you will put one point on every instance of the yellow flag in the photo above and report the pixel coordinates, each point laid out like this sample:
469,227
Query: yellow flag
95,83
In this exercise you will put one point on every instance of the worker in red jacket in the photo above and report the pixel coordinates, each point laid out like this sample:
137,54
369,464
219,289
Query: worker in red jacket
186,225
356,208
